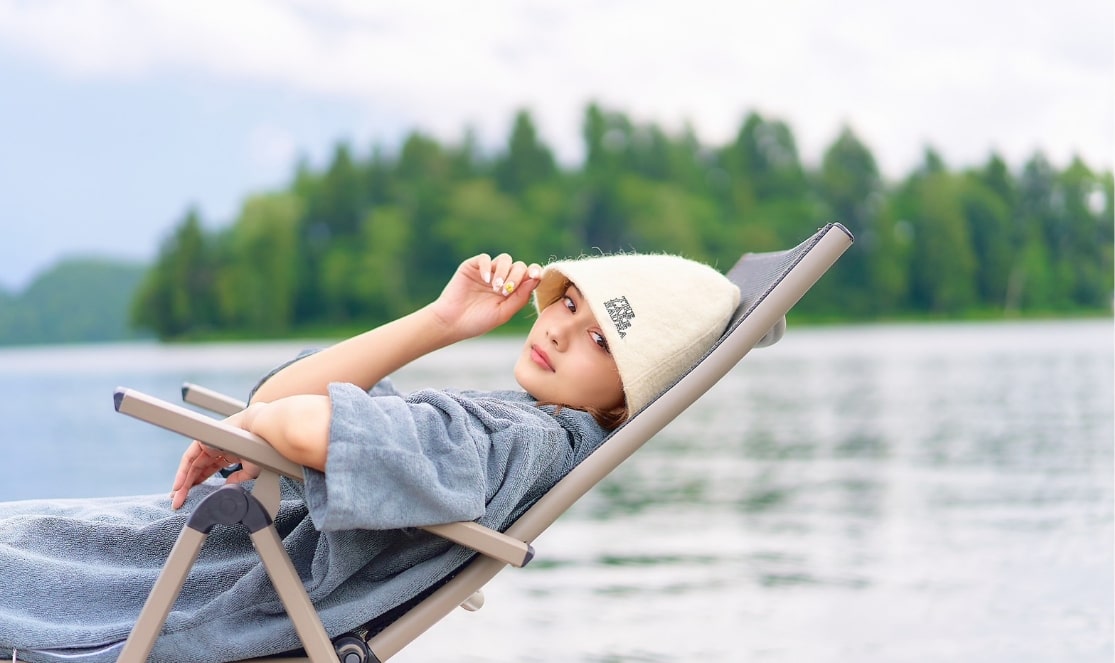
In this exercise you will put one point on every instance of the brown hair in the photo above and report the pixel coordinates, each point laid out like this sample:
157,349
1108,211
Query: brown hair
609,420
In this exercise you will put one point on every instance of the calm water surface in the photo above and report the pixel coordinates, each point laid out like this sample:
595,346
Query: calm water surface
889,493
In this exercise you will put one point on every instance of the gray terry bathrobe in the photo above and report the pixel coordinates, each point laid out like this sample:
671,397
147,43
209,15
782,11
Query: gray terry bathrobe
74,573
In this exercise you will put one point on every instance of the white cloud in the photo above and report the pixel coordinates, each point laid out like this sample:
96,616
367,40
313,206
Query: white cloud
965,76
271,148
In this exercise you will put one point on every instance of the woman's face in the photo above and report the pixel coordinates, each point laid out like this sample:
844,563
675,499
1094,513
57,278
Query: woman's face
566,359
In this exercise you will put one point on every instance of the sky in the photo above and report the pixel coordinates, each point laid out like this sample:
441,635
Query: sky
116,116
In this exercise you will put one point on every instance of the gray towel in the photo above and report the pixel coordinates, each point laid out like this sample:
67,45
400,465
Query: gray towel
75,573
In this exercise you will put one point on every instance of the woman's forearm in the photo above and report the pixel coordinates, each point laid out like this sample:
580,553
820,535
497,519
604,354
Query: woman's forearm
296,426
482,294
362,360
292,410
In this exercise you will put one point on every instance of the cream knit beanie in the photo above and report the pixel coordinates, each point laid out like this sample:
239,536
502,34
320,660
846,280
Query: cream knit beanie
659,313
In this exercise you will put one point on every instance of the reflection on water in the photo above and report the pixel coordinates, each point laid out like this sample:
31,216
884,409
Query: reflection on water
892,493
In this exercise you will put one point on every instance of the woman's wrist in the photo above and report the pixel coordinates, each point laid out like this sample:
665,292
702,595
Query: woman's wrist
296,426
439,331
249,415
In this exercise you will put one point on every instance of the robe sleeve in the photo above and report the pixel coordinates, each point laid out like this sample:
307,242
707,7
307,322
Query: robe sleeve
394,463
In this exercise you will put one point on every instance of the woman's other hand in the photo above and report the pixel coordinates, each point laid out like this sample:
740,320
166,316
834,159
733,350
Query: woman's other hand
484,293
201,462
296,426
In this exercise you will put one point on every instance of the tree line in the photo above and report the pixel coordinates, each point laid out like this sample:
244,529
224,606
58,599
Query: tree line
78,300
370,238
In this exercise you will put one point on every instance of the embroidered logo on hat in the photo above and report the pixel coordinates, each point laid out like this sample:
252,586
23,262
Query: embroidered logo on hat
621,313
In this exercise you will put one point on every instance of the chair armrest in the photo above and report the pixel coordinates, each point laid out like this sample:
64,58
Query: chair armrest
214,401
197,426
255,449
487,541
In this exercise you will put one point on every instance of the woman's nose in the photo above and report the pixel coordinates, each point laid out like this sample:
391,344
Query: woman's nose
558,333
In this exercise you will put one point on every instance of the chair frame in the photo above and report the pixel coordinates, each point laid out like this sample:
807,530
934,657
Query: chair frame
761,317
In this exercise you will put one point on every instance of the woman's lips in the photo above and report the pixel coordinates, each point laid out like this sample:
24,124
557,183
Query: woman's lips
541,358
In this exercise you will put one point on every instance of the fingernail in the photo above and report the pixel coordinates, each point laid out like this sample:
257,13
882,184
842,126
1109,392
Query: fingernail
508,288
487,276
498,283
534,272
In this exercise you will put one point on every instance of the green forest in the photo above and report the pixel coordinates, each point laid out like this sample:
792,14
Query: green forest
373,236
79,300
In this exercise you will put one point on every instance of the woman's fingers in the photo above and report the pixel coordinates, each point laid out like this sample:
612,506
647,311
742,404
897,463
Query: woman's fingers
197,454
184,465
484,266
498,271
198,463
524,284
513,279
509,275
501,266
247,472
201,469
520,276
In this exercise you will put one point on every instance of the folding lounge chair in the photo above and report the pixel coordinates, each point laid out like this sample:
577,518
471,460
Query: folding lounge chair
771,283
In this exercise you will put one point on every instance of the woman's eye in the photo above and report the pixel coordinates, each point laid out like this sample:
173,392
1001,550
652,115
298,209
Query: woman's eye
599,339
570,304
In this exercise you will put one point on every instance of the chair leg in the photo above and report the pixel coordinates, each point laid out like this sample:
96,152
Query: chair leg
293,595
229,505
162,596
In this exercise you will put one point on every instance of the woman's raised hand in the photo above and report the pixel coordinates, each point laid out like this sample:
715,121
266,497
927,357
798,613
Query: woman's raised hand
485,292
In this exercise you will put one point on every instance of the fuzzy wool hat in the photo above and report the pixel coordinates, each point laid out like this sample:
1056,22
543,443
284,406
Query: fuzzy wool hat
659,313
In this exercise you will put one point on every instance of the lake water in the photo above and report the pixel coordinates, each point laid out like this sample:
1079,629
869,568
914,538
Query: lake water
875,493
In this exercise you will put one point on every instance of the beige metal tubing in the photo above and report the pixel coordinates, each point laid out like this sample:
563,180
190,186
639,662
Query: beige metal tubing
434,608
214,401
289,586
285,579
490,542
162,597
194,425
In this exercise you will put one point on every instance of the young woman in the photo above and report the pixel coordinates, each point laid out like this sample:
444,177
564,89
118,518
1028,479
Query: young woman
611,333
